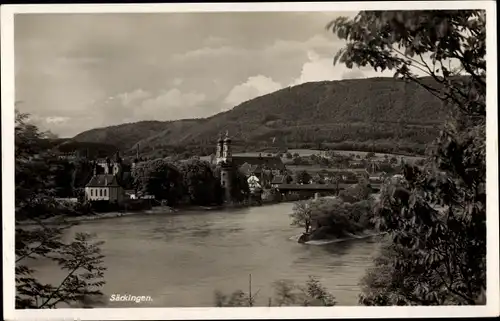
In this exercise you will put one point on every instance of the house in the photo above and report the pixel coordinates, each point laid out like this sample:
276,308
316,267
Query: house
104,187
254,184
263,167
377,177
279,180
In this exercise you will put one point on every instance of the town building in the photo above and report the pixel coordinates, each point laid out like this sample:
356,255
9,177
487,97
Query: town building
280,180
262,167
104,187
105,183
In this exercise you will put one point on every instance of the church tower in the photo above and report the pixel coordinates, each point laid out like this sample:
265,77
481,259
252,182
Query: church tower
226,166
227,153
219,150
117,164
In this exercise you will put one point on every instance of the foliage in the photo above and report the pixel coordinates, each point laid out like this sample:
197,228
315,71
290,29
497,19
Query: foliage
302,213
356,193
436,216
81,259
200,183
333,217
286,293
159,178
240,190
303,177
34,200
370,155
236,299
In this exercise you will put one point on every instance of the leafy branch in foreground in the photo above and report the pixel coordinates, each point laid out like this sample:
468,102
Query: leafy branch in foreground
436,216
81,259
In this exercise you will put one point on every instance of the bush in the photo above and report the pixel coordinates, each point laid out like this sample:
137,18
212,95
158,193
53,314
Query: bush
286,293
333,217
356,193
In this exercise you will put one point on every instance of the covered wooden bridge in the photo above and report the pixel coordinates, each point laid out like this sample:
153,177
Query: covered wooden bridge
318,188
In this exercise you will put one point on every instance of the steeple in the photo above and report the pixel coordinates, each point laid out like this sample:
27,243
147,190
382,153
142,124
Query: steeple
226,151
219,149
117,157
226,138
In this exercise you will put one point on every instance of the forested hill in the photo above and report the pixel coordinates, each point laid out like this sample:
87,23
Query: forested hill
368,113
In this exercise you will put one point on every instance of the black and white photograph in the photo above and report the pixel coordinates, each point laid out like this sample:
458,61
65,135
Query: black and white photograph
293,160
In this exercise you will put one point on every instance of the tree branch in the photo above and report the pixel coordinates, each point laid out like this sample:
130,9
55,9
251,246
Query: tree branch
60,285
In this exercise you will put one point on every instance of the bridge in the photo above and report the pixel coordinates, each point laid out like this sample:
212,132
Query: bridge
333,188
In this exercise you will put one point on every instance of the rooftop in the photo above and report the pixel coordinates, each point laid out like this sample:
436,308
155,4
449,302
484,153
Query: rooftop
103,180
272,162
313,186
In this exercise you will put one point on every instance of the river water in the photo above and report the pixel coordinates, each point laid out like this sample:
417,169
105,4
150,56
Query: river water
179,260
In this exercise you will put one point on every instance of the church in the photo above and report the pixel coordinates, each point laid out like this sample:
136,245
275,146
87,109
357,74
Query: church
105,182
262,167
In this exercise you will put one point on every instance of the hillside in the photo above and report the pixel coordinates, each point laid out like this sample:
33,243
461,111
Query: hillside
365,112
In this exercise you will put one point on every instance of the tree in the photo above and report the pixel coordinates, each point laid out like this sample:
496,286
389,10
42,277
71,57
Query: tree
159,178
286,293
436,217
302,214
356,193
240,189
34,200
370,155
303,177
335,217
199,182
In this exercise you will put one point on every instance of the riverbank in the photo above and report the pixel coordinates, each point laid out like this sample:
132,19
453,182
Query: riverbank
155,210
349,237
97,216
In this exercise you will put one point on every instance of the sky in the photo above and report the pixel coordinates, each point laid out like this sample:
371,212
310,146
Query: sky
76,72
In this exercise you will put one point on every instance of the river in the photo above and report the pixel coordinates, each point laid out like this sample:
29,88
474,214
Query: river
180,259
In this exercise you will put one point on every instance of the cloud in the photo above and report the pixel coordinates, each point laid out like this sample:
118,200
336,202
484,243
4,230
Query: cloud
254,87
207,53
56,119
323,45
354,74
318,68
178,66
127,99
215,41
170,105
177,81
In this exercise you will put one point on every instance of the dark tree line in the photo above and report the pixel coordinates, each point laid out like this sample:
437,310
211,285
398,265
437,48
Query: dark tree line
436,216
195,182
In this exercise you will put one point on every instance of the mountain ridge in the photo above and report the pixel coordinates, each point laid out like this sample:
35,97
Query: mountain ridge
357,110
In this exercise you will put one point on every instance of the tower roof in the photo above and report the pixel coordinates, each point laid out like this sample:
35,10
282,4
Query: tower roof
226,138
103,180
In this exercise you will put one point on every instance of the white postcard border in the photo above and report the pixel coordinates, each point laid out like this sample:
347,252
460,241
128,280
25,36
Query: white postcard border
8,71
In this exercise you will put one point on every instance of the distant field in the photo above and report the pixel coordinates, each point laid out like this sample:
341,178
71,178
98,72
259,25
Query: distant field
309,152
317,168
